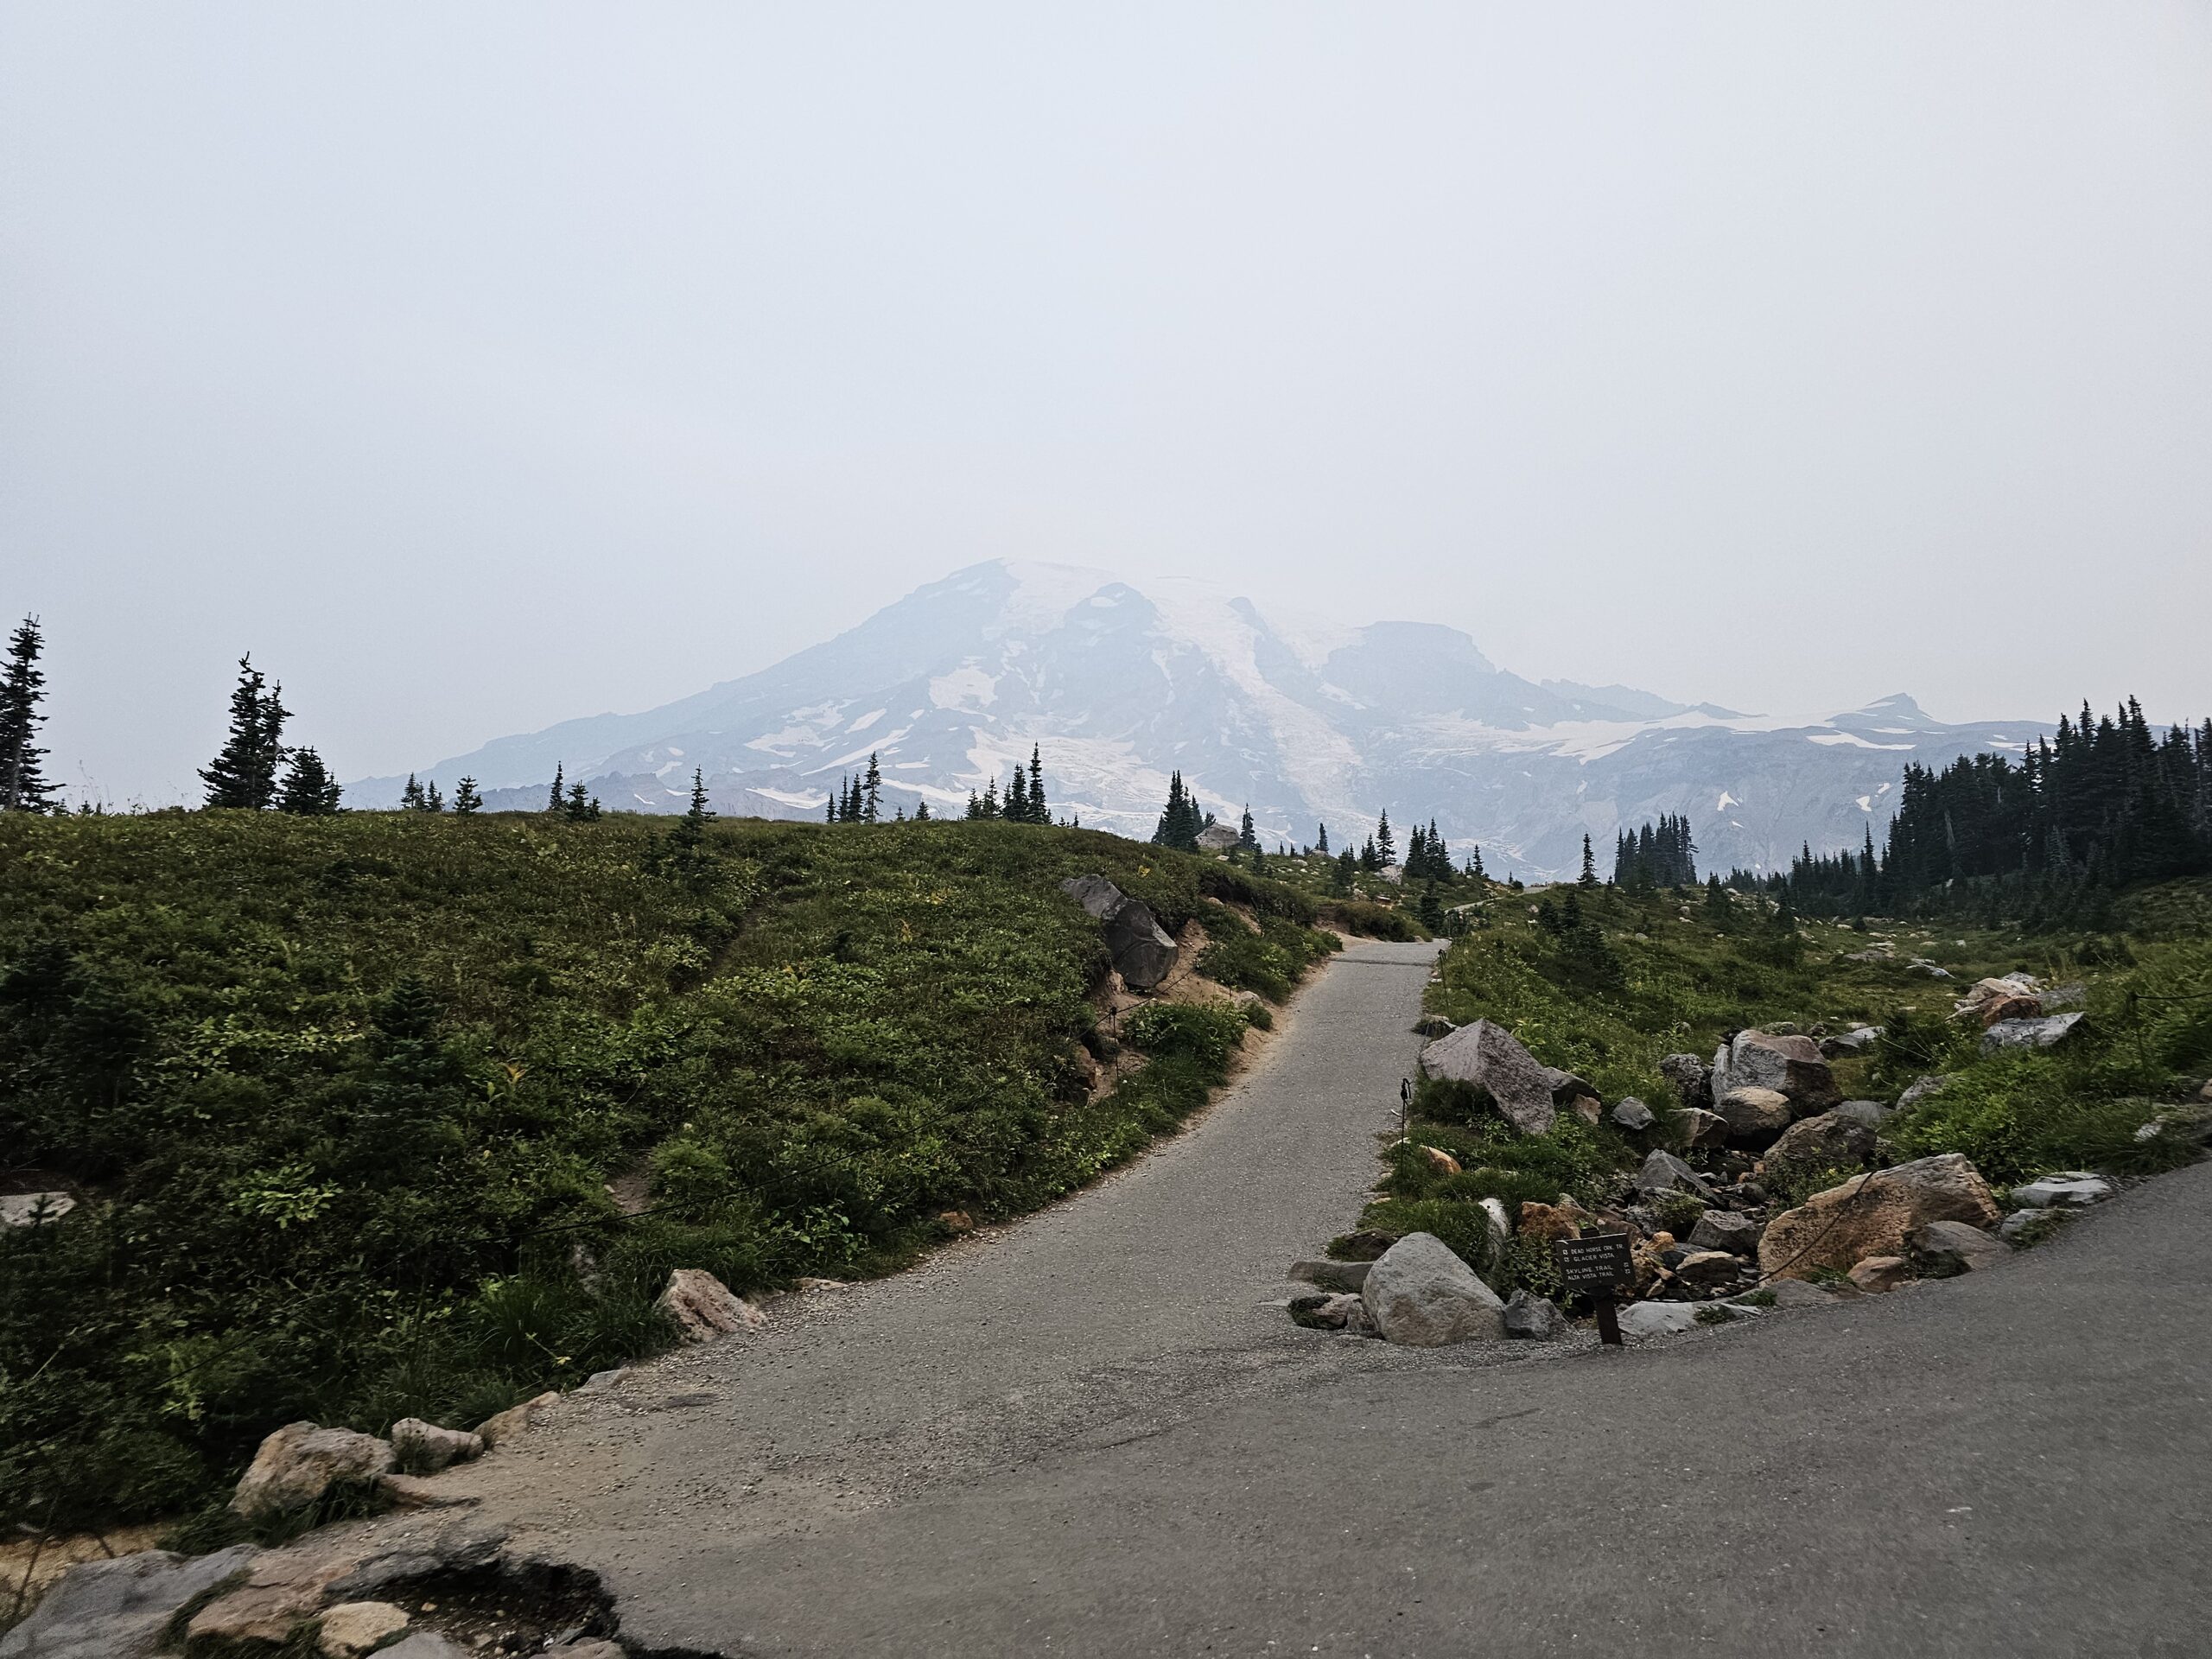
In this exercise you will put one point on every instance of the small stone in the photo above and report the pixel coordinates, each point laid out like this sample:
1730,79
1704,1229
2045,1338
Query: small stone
2018,1007
353,1628
2043,1032
2027,1226
1954,1247
498,1431
1795,1292
423,1644
1363,1244
1634,1115
1331,1276
424,1448
807,1284
1323,1311
1641,1321
298,1463
2068,1189
1439,1160
1547,1221
1725,1230
1881,1273
1535,1319
955,1221
600,1382
1919,1090
704,1308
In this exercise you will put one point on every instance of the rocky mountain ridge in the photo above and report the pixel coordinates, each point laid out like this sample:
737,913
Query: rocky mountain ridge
1307,721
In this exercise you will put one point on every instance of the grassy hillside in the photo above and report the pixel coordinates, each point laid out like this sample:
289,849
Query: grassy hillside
1640,977
342,1098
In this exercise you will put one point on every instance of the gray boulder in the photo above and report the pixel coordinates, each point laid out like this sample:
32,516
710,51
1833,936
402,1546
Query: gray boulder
1329,1311
2027,1224
1725,1230
1869,1112
1331,1276
1664,1173
2068,1189
1851,1042
1421,1295
1834,1139
1954,1247
1143,951
1690,1078
1789,1065
118,1609
1535,1319
300,1462
1633,1115
424,1644
1755,1115
2042,1032
1709,1269
1919,1090
1695,1127
1488,1057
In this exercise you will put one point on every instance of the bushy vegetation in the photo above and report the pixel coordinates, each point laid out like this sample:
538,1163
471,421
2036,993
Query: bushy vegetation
343,1098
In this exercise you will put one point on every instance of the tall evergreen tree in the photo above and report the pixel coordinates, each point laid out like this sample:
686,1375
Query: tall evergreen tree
23,785
244,775
582,806
309,789
922,810
1321,840
1385,848
1246,839
991,798
558,800
872,790
1589,876
1181,820
466,800
1039,811
1017,798
410,798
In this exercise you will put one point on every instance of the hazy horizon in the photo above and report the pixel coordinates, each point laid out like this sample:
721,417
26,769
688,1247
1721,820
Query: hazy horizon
480,368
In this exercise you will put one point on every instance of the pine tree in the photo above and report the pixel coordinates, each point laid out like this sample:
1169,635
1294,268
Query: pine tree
991,798
467,802
975,805
872,790
922,810
1370,857
23,785
1038,812
558,800
1321,841
1180,821
1344,874
410,798
433,801
243,776
1589,876
829,805
1384,847
309,789
582,806
1017,798
1246,838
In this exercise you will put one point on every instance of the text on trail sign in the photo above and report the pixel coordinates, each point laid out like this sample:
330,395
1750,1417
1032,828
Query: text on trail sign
1596,1263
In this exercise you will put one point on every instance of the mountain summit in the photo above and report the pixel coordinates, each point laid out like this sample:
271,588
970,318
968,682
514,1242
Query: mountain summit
1307,720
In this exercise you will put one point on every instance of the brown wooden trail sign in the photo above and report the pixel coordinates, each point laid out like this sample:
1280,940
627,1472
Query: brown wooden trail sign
1595,1265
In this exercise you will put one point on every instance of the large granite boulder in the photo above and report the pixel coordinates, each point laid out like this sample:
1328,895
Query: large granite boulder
297,1464
118,1609
1754,1116
1536,1318
705,1309
1663,1172
1948,1247
1875,1215
1143,951
1724,1229
1421,1295
1790,1065
1836,1140
1488,1057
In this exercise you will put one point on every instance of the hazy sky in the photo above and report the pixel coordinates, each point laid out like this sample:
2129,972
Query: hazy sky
479,365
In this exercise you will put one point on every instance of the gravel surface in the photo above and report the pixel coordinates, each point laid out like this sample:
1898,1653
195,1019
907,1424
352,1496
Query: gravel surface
1097,1433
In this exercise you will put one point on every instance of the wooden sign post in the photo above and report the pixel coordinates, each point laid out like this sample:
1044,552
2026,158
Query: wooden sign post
1595,1265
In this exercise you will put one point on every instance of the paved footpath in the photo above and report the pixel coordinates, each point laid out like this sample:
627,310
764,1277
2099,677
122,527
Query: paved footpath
1096,1434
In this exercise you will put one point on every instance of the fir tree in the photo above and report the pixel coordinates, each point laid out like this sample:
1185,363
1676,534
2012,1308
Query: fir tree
1246,839
1589,876
990,798
23,785
687,838
1344,874
433,801
1385,848
829,805
1038,812
243,776
1017,798
922,810
309,789
582,806
872,790
467,802
558,800
975,805
1180,821
1321,840
410,798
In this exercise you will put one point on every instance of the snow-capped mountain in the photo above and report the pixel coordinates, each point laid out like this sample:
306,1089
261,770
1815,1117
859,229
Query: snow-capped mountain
1309,723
